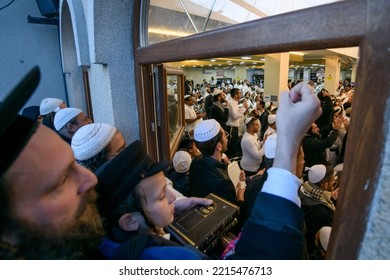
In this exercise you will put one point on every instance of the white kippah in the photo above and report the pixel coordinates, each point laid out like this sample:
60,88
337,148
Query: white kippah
49,105
317,173
182,161
248,120
206,130
271,119
324,237
270,146
216,91
91,139
63,116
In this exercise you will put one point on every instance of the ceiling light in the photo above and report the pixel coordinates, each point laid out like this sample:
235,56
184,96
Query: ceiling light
228,61
246,57
210,65
242,62
298,53
254,62
168,32
212,60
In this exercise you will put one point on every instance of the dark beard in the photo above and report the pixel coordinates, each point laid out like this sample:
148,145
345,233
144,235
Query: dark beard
76,241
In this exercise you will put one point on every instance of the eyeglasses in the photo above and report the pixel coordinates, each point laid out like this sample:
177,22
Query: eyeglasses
227,135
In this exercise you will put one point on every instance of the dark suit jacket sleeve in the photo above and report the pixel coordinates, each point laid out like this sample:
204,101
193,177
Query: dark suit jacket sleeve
273,231
317,144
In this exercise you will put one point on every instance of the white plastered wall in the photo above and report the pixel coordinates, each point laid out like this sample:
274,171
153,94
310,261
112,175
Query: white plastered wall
102,32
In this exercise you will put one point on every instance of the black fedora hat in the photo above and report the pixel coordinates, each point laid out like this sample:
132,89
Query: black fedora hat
15,130
119,177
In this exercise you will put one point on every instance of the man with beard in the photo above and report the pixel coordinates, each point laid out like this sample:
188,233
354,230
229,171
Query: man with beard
219,111
47,201
314,147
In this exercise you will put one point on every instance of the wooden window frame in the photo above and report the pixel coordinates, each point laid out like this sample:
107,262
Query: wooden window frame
362,23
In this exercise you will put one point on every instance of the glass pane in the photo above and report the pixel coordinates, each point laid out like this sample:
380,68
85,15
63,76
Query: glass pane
302,65
174,111
171,19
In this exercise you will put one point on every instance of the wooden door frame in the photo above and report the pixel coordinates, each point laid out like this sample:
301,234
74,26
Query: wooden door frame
362,23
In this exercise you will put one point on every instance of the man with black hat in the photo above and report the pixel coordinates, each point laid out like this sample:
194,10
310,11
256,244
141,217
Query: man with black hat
46,200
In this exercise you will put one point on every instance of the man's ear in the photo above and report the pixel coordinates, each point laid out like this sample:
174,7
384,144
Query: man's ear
128,222
219,146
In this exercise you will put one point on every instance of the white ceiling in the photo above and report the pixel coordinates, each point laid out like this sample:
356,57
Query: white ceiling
238,11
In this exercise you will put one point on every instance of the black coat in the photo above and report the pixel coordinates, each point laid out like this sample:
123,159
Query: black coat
314,148
220,115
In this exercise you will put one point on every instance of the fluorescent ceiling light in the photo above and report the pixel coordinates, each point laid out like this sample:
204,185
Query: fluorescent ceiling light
168,32
212,60
246,57
298,53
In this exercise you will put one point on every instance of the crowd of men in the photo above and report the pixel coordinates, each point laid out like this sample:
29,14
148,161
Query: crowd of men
99,198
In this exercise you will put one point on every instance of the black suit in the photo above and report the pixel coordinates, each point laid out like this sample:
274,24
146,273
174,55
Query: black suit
219,115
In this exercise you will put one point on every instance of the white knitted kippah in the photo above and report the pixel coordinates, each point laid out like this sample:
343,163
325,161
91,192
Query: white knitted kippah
182,161
49,105
63,116
91,139
317,173
206,130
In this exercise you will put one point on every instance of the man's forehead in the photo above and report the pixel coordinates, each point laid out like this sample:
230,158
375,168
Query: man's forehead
42,156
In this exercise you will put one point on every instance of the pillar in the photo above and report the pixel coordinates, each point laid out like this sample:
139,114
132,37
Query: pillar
354,68
240,72
276,73
332,73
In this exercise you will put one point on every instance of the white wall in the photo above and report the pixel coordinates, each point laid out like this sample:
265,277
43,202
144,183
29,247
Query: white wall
105,27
